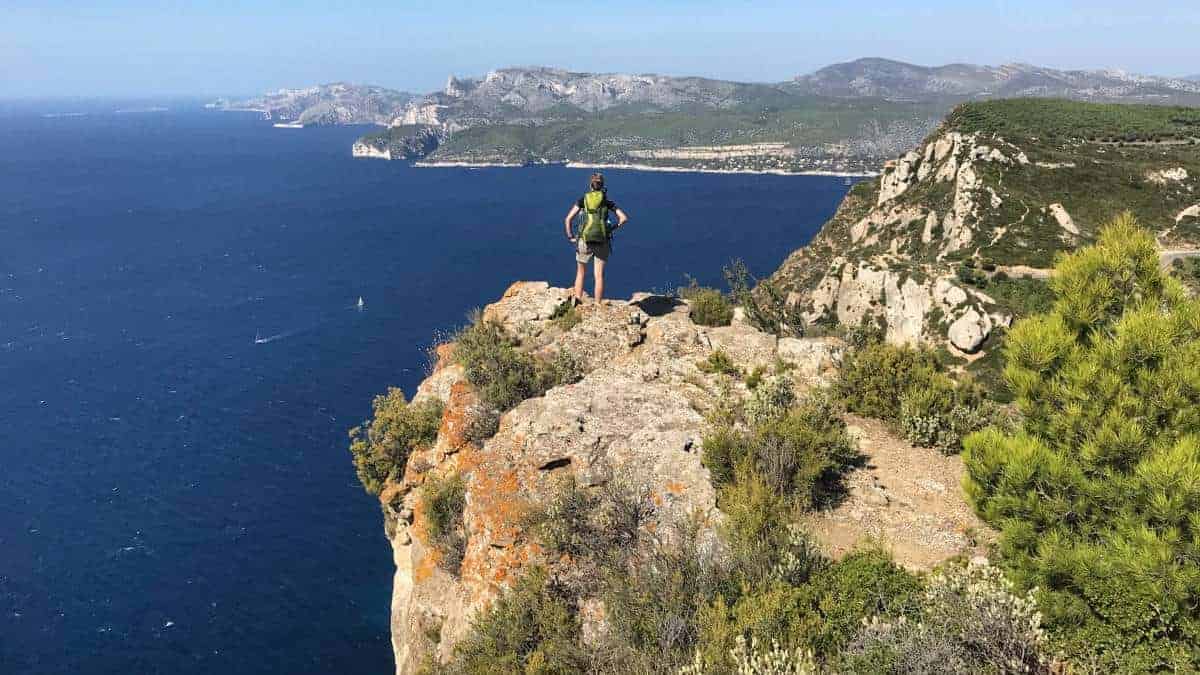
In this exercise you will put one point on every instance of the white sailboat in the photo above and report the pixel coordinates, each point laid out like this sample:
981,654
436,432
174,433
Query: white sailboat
361,305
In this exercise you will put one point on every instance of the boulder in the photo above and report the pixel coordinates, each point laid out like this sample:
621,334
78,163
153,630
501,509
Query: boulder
968,331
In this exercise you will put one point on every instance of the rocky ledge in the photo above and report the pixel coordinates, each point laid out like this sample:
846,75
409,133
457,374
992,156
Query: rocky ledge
637,415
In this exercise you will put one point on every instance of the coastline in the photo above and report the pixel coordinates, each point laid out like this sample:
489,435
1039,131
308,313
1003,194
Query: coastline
680,169
648,167
467,165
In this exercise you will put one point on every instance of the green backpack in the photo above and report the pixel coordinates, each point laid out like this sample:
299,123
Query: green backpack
595,223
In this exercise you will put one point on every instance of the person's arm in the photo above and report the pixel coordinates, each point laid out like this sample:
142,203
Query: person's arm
569,219
621,218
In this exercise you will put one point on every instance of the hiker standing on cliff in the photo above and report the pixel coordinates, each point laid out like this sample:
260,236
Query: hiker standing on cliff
595,235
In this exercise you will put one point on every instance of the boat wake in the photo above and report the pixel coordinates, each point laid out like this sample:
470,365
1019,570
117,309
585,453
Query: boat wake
258,340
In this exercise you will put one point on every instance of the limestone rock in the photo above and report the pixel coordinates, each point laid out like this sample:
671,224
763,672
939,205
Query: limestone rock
1063,218
1189,212
897,177
968,331
1173,175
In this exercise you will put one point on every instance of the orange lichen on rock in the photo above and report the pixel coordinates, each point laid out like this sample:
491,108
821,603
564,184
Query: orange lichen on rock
445,355
452,435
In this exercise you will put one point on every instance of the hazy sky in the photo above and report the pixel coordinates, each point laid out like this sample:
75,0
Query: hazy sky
137,47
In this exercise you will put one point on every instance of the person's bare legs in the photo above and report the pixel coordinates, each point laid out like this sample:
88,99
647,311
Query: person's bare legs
599,273
580,273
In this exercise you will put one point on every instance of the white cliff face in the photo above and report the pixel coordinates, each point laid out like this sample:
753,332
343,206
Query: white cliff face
428,115
637,416
1063,218
361,149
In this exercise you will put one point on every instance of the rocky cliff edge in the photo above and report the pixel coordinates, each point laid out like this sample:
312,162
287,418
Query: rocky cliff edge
637,414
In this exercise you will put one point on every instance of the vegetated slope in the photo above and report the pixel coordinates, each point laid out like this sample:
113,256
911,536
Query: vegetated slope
952,240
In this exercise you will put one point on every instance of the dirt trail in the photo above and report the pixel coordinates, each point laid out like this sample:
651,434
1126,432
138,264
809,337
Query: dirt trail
907,499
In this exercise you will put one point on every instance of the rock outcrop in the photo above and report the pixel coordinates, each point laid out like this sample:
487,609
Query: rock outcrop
916,249
637,415
403,142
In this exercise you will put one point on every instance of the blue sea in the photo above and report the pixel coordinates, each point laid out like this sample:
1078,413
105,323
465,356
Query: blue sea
176,497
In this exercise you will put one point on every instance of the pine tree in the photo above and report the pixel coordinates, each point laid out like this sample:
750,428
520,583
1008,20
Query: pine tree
1097,496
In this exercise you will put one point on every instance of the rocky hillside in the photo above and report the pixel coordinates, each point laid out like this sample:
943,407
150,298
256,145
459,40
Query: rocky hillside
955,238
893,79
844,118
638,420
540,115
336,103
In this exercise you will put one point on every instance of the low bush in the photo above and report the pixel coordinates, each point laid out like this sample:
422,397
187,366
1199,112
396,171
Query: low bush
533,628
566,316
793,450
799,450
765,305
707,306
756,659
770,400
482,423
755,377
940,414
755,526
501,373
719,362
381,447
968,620
874,379
652,604
598,528
823,613
443,502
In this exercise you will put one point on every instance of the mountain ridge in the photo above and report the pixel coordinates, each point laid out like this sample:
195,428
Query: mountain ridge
844,118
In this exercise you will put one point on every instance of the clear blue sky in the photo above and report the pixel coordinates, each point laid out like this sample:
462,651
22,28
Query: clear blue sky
137,47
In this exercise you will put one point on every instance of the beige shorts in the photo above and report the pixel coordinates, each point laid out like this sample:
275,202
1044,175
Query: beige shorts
584,250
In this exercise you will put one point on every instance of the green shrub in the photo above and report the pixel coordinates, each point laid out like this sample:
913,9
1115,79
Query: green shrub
755,526
770,401
755,377
823,614
719,362
866,332
764,304
381,447
795,451
708,306
968,621
862,584
722,449
443,501
566,316
799,450
874,379
1097,494
651,606
757,659
501,373
597,528
940,414
533,628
